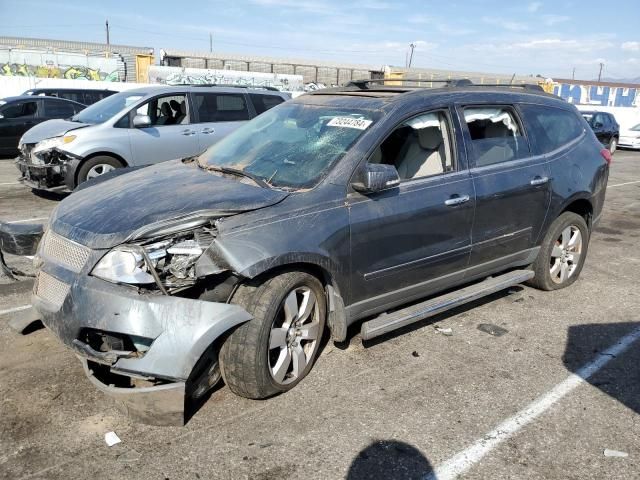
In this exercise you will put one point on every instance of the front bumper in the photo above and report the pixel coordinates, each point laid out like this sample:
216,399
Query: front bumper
175,330
629,142
58,175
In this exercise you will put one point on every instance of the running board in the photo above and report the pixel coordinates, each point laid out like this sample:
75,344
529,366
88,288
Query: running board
387,322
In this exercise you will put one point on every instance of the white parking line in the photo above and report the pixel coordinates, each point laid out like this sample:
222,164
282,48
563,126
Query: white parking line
27,220
10,183
621,184
16,309
463,461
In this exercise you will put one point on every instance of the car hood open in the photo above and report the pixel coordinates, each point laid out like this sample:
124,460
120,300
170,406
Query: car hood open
50,129
109,213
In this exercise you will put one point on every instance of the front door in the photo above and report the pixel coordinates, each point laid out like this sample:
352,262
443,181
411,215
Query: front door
414,239
17,118
170,135
512,186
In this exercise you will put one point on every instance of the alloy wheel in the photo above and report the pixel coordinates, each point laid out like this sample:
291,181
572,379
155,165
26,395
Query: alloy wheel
294,336
565,255
99,169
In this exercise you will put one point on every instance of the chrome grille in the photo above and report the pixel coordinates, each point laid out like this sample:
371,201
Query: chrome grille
51,289
65,252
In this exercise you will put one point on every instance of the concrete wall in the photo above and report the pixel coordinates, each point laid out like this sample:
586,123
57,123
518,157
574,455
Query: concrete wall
182,76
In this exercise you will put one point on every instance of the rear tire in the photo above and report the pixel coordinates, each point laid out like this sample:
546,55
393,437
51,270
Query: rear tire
562,253
274,351
613,145
96,166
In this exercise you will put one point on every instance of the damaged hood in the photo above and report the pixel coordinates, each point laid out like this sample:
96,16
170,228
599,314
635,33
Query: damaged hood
107,214
50,129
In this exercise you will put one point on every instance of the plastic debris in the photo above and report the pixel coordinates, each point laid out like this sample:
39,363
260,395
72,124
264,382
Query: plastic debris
444,331
415,354
491,329
614,453
111,438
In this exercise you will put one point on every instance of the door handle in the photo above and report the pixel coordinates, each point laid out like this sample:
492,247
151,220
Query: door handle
456,200
208,130
188,132
539,180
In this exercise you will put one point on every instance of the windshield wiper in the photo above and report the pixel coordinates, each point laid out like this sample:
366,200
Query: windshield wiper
241,173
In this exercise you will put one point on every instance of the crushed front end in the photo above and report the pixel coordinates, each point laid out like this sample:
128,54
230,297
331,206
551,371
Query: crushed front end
45,167
140,338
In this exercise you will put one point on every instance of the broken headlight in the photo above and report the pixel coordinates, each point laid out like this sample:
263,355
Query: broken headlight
171,261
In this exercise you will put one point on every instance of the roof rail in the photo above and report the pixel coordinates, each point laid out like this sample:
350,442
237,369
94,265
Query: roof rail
456,82
255,87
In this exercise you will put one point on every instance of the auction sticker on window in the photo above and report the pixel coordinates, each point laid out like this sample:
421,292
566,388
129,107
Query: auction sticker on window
349,122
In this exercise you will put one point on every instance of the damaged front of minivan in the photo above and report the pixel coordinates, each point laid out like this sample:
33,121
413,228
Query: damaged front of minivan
121,286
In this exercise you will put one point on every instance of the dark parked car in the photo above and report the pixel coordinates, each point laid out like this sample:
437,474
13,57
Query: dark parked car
343,205
19,114
605,127
86,96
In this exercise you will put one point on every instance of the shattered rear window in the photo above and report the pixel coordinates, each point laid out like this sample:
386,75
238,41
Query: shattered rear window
292,145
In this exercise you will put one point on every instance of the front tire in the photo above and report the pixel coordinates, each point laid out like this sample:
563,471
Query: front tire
274,351
96,166
562,253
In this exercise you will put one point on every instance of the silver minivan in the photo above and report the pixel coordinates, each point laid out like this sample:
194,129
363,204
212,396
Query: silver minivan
134,128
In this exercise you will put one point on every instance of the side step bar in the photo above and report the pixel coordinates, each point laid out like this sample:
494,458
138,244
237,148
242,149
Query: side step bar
386,322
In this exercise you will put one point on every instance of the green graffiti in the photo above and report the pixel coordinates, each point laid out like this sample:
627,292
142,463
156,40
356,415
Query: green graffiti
74,72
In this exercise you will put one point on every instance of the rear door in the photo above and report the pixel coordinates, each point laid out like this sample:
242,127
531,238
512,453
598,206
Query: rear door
56,108
18,117
171,134
218,114
511,185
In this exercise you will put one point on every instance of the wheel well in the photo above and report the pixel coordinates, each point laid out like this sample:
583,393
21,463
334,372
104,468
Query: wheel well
98,154
583,208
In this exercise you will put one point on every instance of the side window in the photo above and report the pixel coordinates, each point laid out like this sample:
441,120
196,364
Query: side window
58,109
168,110
89,98
496,136
20,110
419,147
551,128
262,103
220,107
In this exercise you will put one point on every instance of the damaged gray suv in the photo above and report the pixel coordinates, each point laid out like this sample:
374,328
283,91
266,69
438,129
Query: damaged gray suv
358,203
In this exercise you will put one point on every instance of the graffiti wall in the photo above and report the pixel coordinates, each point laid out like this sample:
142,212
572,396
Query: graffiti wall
70,66
200,76
607,96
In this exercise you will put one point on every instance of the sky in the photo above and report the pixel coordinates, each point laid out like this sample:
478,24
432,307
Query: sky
548,38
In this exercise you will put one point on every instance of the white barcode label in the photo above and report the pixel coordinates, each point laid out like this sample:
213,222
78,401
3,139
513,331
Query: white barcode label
349,122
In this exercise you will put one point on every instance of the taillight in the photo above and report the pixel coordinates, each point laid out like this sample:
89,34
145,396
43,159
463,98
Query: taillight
606,154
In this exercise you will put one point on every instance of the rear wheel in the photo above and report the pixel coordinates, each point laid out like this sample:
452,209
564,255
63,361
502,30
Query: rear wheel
613,145
562,253
273,352
96,166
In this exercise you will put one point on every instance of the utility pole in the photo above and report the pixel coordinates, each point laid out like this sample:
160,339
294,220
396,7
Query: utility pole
600,72
210,42
573,74
106,24
412,46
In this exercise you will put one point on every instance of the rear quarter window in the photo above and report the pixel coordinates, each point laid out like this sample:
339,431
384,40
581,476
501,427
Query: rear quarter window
551,128
262,102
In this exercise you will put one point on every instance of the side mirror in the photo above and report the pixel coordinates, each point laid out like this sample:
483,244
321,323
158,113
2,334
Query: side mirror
141,121
376,177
